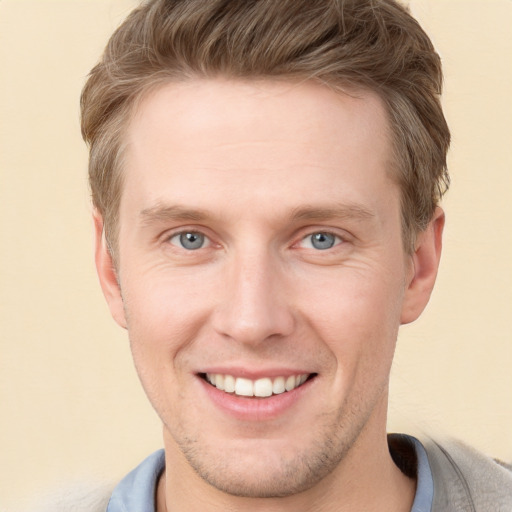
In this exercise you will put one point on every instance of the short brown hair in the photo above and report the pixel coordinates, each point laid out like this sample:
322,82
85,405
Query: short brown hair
367,44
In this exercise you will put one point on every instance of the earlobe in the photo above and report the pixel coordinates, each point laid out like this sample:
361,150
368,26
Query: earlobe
107,272
424,266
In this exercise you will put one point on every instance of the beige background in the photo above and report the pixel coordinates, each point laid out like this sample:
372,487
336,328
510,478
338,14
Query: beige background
70,405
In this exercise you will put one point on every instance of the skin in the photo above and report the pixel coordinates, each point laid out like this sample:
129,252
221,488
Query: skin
257,168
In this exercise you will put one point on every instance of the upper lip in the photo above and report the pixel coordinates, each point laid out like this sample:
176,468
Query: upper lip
254,374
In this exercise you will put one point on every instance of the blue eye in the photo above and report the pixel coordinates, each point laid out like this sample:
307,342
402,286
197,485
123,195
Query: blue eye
320,241
191,240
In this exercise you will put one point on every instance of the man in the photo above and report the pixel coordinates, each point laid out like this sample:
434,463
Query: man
266,178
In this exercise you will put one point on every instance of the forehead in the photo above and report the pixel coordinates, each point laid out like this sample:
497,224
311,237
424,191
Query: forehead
239,110
285,142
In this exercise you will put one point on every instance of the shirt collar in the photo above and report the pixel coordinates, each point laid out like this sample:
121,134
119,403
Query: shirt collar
136,491
410,456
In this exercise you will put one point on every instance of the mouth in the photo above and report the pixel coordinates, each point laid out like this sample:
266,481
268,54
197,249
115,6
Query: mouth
259,388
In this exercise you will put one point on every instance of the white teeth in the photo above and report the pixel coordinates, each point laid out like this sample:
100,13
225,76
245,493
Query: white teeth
278,386
229,384
219,381
290,383
263,387
244,387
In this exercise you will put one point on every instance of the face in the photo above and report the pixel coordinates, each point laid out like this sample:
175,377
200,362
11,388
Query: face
262,278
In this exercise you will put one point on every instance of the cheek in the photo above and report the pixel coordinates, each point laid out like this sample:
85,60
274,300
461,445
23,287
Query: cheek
354,300
164,316
357,315
166,301
160,328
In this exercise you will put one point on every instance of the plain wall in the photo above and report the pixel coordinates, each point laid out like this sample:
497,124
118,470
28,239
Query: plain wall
71,407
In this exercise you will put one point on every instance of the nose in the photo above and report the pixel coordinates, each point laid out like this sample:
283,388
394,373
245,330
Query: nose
254,305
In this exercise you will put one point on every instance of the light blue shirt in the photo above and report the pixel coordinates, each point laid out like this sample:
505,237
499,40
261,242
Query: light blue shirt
425,483
136,492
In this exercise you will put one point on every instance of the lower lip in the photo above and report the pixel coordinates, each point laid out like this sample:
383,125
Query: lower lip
255,408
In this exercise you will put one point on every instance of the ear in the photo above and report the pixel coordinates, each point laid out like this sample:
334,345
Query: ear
107,273
424,264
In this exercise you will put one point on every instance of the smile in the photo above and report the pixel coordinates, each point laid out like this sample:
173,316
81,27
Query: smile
262,388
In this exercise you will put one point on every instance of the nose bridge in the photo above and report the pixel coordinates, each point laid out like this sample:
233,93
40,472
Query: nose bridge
254,305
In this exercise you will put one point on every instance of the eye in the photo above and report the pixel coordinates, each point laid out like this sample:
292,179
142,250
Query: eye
320,241
190,240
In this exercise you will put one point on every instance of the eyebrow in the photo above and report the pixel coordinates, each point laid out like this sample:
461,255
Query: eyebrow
161,213
343,211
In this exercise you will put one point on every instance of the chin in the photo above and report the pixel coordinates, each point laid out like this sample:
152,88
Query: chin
265,468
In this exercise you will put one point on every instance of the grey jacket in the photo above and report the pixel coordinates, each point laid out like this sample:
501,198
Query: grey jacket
467,481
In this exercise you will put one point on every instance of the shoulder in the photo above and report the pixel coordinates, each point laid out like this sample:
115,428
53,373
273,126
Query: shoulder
134,492
465,479
80,497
